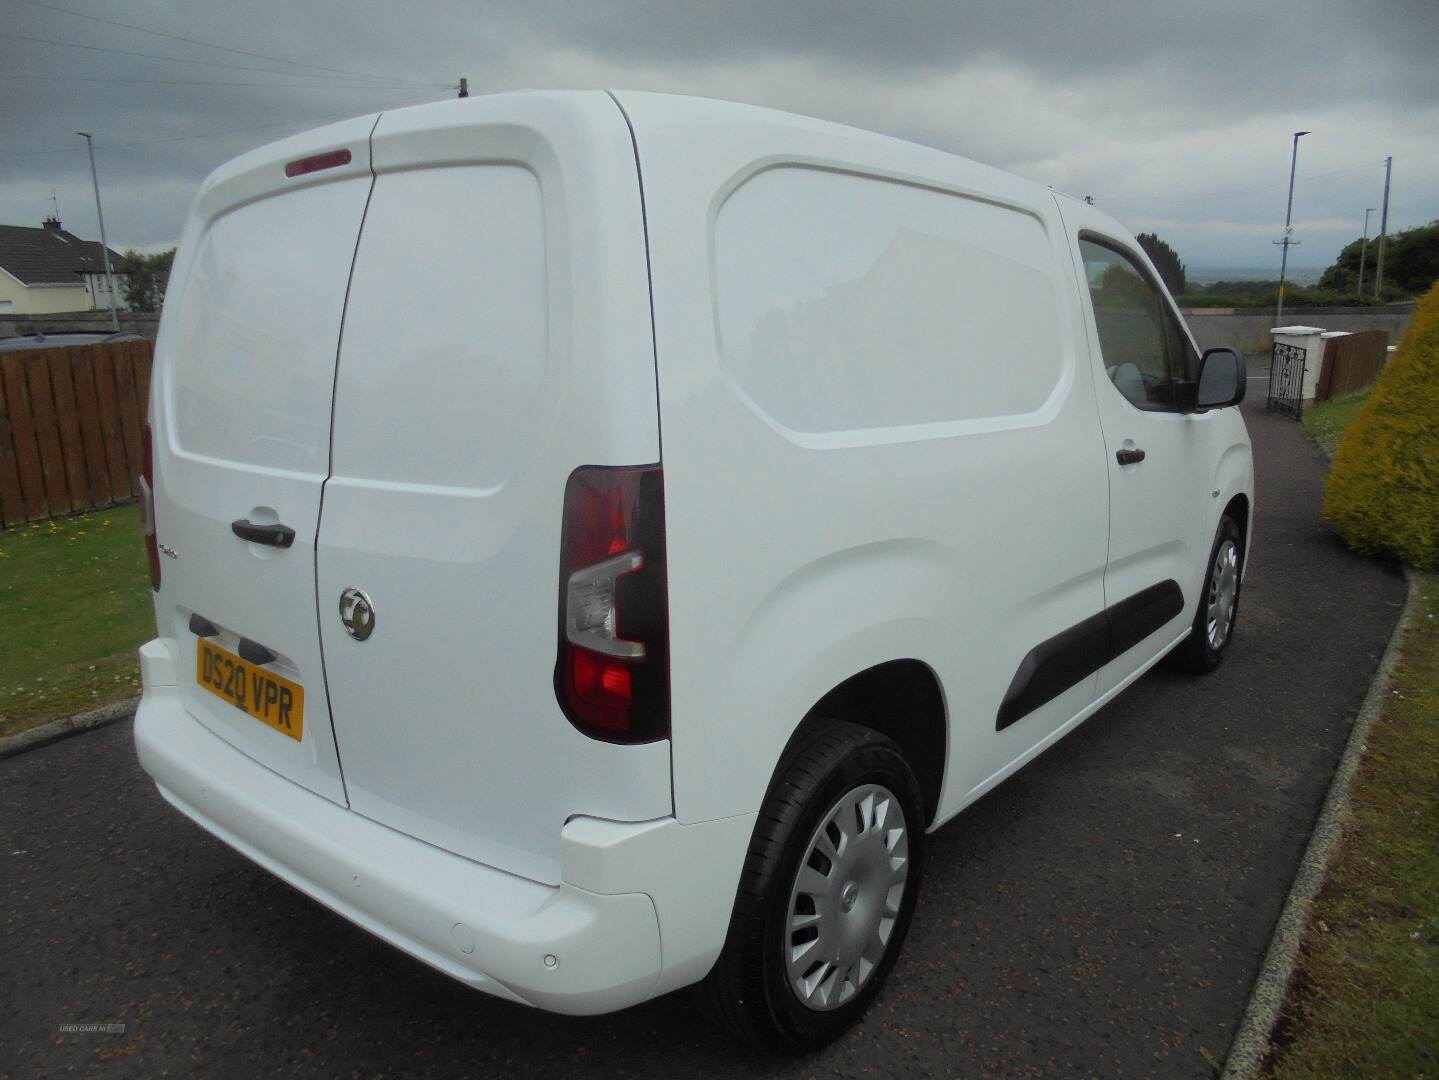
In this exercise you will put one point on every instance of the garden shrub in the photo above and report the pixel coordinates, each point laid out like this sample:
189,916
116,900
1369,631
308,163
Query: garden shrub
1383,489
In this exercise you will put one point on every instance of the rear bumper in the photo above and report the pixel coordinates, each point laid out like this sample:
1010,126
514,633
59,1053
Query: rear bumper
568,948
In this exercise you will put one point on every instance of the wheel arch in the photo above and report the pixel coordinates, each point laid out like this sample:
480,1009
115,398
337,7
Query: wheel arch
1238,509
901,699
1233,485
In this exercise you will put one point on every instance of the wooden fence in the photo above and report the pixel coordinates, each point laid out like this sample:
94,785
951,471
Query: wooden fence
70,422
1351,363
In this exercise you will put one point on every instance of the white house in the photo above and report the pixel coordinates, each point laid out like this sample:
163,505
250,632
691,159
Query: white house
48,270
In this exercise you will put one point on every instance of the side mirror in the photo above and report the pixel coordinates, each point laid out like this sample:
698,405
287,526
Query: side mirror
1221,380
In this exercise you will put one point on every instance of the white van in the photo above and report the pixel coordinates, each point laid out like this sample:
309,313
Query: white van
596,536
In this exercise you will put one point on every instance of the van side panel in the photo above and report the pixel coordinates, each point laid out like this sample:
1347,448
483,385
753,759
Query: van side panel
880,442
497,337
848,306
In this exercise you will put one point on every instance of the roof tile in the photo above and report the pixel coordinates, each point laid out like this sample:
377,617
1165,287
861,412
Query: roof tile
49,256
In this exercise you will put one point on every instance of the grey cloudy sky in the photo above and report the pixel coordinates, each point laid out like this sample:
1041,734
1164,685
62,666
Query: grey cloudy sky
1175,117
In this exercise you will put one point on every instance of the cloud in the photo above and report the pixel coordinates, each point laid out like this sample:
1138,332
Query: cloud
1175,118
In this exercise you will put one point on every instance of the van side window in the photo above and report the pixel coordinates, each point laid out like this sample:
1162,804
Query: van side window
1183,360
1127,317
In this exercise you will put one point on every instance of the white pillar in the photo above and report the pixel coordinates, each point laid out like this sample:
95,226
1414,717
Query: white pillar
1311,340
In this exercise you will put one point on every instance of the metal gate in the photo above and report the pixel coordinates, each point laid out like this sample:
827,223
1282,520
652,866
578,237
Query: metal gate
1286,380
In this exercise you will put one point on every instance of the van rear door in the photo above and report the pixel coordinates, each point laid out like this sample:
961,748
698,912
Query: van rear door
497,337
245,367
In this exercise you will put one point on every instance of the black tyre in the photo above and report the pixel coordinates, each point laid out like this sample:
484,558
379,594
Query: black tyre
827,893
1213,627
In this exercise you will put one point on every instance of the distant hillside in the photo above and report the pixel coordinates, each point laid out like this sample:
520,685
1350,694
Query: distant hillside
1208,275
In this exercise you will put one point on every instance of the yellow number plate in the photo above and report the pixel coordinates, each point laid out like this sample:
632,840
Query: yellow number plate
262,694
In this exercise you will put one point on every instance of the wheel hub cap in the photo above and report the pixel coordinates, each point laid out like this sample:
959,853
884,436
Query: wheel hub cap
1223,594
846,897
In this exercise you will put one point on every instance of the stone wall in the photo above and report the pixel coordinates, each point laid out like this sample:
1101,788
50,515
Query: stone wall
1247,329
79,322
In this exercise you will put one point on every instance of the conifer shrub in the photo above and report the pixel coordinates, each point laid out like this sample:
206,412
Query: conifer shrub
1383,489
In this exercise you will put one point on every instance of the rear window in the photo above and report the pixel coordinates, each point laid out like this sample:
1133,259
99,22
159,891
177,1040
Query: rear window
848,302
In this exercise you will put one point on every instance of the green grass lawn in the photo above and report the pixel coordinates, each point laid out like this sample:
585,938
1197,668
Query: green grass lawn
1366,999
1327,420
74,607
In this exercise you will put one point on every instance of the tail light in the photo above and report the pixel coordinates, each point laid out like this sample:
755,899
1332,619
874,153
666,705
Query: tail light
612,676
147,506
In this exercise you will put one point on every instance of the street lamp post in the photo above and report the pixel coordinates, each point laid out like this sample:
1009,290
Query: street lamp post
104,244
1364,249
1383,230
1288,213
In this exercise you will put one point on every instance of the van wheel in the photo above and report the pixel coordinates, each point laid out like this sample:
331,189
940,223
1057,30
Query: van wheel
827,893
1213,627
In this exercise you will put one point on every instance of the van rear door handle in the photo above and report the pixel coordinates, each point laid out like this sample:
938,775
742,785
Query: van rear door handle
280,536
1129,457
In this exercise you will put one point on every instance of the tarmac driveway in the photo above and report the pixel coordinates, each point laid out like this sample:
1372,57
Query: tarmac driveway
1104,912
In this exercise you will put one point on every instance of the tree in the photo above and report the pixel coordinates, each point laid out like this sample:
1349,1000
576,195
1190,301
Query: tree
1411,263
1165,260
1383,489
1411,258
145,278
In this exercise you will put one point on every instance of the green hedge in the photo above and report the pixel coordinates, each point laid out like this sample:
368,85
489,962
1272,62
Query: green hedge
1264,294
1383,490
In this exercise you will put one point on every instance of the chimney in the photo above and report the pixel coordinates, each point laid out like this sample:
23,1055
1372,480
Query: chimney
52,222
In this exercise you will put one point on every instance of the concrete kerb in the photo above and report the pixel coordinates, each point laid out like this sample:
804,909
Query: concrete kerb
66,726
1256,1028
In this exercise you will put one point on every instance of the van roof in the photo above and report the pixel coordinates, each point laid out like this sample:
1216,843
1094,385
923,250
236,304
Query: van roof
723,119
